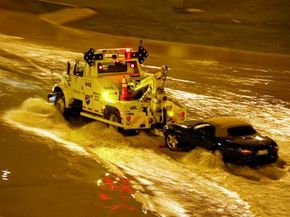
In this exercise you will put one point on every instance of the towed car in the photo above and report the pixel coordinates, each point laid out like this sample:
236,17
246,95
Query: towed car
236,140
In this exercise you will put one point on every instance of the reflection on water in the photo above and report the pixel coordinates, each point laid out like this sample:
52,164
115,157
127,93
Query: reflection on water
115,191
5,174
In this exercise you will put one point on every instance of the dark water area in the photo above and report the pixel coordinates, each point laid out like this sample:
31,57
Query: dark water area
39,178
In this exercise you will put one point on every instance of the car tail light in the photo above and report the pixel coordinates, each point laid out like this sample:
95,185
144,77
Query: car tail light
276,148
246,152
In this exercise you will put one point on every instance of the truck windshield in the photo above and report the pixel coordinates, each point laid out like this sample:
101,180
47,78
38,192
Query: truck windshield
118,66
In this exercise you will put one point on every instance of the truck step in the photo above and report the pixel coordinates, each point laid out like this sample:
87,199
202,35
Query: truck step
98,118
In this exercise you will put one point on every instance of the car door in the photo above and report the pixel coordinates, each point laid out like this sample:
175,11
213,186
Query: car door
197,135
203,134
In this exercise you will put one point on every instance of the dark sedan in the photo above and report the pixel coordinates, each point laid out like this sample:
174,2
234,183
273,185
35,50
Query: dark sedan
237,140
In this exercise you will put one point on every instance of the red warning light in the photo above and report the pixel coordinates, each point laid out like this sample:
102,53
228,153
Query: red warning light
127,53
100,66
182,115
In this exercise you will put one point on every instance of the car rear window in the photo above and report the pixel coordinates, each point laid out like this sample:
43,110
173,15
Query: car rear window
241,131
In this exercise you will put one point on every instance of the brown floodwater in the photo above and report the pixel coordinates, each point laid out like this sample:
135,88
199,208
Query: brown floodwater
52,167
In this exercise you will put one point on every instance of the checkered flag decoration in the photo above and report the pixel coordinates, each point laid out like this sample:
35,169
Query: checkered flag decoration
142,54
89,56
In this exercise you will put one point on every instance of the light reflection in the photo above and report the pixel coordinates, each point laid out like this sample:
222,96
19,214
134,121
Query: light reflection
70,145
259,138
116,191
5,174
181,80
171,190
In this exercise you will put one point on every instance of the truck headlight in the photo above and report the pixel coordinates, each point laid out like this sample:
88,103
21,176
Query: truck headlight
170,113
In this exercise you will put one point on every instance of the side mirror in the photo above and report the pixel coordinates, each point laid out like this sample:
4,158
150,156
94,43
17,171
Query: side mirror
68,68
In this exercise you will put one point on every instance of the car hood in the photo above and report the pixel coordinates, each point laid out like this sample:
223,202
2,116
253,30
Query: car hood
253,140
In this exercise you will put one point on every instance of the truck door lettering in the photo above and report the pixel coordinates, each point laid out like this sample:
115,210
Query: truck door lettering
88,84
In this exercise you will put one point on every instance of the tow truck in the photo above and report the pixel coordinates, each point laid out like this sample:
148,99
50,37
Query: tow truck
111,86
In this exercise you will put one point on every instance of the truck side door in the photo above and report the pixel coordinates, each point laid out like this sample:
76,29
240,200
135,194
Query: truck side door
76,80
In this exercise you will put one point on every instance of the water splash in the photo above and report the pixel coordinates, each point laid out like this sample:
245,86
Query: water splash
164,185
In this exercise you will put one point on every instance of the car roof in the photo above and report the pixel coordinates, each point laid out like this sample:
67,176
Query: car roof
222,124
226,121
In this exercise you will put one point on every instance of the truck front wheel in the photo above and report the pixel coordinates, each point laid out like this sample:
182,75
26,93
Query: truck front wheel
59,103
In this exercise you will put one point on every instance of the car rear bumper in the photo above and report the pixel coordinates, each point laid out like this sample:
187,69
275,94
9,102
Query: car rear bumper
253,160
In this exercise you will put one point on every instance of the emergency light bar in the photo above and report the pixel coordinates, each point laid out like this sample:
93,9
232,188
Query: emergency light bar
91,56
115,50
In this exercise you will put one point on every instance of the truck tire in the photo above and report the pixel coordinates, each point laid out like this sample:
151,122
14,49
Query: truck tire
114,118
59,103
113,115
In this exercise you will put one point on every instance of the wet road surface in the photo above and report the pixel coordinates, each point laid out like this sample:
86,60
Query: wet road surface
52,166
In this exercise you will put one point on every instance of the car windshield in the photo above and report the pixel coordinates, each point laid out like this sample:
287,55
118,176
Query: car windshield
241,131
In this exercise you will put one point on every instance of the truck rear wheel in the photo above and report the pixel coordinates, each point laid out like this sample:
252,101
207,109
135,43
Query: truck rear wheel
112,114
114,118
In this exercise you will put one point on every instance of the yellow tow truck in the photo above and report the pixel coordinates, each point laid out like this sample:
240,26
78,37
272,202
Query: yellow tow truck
110,86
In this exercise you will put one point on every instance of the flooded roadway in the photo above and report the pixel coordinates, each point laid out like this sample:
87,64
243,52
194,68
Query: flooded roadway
51,166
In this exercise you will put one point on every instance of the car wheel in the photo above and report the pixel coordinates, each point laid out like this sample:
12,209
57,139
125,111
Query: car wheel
172,142
59,103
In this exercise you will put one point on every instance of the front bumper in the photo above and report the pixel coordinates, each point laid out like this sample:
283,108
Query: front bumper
51,97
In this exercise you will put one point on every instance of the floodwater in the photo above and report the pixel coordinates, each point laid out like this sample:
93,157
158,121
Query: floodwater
52,167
